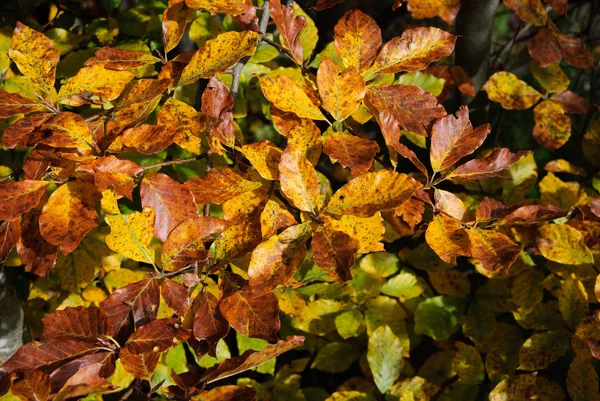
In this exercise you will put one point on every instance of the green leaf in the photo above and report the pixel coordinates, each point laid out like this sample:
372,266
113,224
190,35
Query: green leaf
380,264
385,357
245,343
438,317
480,323
405,285
350,323
468,364
428,82
336,357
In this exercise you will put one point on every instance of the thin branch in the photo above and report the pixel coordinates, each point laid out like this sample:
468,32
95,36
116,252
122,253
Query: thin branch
176,161
208,167
98,115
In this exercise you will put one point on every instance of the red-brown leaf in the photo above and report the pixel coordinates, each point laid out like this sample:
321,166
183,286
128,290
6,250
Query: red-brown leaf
543,48
25,132
59,377
491,166
351,151
290,27
176,296
573,52
219,185
494,250
209,323
229,393
85,381
156,336
252,316
171,201
217,102
13,103
116,174
325,4
530,214
10,234
141,366
78,323
570,101
34,386
141,299
333,251
20,197
37,254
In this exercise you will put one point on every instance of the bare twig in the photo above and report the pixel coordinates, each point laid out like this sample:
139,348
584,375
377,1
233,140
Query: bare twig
176,161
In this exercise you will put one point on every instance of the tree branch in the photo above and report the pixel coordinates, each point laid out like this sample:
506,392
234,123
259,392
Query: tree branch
176,161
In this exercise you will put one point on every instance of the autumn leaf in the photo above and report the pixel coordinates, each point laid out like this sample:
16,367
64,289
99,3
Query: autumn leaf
116,174
372,192
229,393
290,27
573,52
185,243
341,93
552,78
156,336
351,151
25,131
130,235
35,55
69,130
287,95
250,359
494,250
176,296
367,231
445,9
231,7
172,202
532,12
563,244
384,355
512,93
357,40
37,254
333,251
174,20
552,127
10,235
147,139
217,102
451,205
86,380
93,85
544,48
254,316
34,386
275,261
453,138
414,50
219,54
69,215
209,323
447,238
19,197
298,180
541,349
141,366
185,121
490,166
13,103
265,158
78,323
570,102
120,59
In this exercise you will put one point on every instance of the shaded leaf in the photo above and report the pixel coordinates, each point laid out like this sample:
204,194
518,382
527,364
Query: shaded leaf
541,349
447,239
552,127
34,386
531,11
490,166
494,250
333,251
229,393
209,323
582,381
231,7
217,102
13,103
37,254
544,48
572,302
438,317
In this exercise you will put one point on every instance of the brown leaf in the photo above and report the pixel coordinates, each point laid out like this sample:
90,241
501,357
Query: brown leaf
37,254
357,40
59,377
494,250
490,166
325,4
512,93
229,393
175,296
209,323
174,20
544,48
560,6
410,155
351,151
298,179
445,9
69,215
36,165
413,108
290,27
185,244
13,103
451,205
217,102
34,386
341,93
93,85
35,55
570,102
219,185
573,52
372,192
447,238
20,197
141,366
414,50
250,359
141,299
333,251
148,139
530,11
529,214
552,127
171,201
453,138
120,59
156,336
116,174
275,261
10,235
47,355
79,323
85,381
264,157
252,316
490,209
25,131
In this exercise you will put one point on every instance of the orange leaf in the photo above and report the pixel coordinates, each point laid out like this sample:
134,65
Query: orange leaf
10,234
530,11
231,7
156,336
494,250
37,254
287,95
357,40
264,157
298,179
229,393
120,59
290,27
34,386
351,151
147,139
141,366
25,131
447,238
217,102
78,323
20,197
253,316
209,323
219,185
333,251
13,103
341,93
174,20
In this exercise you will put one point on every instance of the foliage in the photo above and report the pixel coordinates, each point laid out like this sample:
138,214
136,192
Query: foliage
194,189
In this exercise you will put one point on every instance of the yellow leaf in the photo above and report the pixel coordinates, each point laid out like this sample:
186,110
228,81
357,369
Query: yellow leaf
591,142
512,93
563,244
367,231
93,85
572,302
298,179
557,192
286,95
341,93
552,126
219,54
265,158
231,7
447,238
552,78
35,55
130,235
69,130
370,193
357,39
